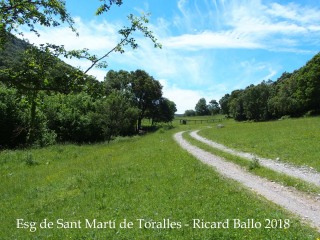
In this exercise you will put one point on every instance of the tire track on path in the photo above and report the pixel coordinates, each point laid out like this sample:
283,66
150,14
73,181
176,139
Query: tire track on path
302,173
307,207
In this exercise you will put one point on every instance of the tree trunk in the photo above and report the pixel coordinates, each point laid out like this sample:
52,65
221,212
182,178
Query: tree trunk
139,123
32,127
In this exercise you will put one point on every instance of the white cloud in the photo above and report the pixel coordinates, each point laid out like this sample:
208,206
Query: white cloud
184,99
92,35
245,24
209,40
295,12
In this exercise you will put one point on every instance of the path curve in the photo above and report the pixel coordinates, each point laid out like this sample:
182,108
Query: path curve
303,173
307,207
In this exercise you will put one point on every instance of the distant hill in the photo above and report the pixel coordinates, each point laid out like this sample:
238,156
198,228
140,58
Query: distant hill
67,77
12,50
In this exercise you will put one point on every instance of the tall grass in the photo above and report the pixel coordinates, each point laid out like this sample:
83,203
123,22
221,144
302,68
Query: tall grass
146,177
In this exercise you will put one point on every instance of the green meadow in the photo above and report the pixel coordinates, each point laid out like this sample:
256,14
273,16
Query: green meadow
293,140
88,191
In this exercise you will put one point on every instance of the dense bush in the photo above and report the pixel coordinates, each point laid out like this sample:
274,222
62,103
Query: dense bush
73,117
13,125
81,118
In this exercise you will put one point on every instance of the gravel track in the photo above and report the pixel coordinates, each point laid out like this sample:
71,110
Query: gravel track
304,173
301,204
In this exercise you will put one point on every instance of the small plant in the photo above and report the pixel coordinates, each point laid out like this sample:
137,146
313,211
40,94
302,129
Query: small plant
30,160
254,163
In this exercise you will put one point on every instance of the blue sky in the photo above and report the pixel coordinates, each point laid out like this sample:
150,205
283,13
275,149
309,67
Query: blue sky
210,47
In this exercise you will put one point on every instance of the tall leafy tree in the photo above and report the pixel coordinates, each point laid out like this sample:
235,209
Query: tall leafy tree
163,111
235,105
146,90
214,107
202,108
189,113
255,101
223,102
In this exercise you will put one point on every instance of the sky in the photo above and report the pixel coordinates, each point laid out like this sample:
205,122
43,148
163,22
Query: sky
209,47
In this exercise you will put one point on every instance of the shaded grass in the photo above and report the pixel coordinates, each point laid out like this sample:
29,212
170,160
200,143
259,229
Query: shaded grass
255,168
293,140
147,177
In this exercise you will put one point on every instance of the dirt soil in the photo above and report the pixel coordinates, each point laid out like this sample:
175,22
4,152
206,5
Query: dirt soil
307,207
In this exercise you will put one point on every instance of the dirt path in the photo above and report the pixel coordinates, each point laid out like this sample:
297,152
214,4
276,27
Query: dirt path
307,207
303,173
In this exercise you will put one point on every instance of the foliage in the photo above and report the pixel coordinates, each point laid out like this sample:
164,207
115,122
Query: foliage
189,113
13,130
223,102
255,101
294,94
44,81
38,70
235,105
202,108
163,111
31,13
118,114
214,107
53,13
143,89
72,117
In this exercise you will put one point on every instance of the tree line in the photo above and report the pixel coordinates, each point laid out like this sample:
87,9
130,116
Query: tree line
204,109
293,94
43,100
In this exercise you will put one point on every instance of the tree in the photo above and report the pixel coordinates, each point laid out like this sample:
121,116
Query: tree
255,102
119,115
121,81
224,104
189,113
34,73
12,120
235,105
214,107
39,70
145,91
202,108
164,111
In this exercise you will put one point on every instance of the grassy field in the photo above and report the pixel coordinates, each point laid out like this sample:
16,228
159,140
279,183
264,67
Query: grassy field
292,140
256,168
148,178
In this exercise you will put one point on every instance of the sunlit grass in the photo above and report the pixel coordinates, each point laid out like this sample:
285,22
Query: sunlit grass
148,177
293,140
255,168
